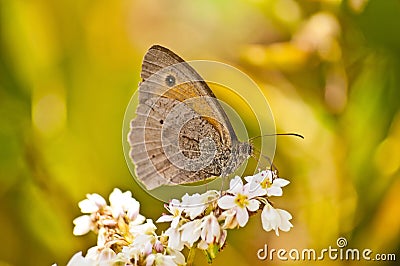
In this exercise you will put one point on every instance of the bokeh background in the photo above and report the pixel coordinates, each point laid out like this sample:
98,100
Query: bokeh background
329,69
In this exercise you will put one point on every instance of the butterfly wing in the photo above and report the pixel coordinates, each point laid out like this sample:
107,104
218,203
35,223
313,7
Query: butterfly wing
157,156
180,127
159,63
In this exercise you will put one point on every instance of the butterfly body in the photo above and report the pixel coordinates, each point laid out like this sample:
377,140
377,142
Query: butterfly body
181,133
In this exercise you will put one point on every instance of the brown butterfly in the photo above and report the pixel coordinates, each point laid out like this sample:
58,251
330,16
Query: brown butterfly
181,134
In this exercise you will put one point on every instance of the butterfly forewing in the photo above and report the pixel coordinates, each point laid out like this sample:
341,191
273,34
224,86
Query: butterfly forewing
181,134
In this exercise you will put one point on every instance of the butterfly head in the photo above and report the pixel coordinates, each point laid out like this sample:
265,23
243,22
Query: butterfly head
244,150
240,153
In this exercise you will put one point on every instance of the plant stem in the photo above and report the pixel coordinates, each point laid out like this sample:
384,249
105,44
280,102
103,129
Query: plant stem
190,259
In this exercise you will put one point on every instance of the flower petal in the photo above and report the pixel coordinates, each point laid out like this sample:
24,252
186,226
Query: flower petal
179,259
253,182
281,182
115,196
191,231
78,259
230,219
139,220
285,217
236,185
274,191
106,256
88,206
242,216
227,202
174,238
253,205
147,228
269,218
133,209
82,225
255,191
97,199
150,259
165,218
175,221
211,229
248,178
175,203
202,245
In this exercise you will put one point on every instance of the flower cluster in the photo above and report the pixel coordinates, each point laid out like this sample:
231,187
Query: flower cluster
198,221
125,237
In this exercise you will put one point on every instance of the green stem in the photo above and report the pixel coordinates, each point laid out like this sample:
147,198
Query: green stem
190,259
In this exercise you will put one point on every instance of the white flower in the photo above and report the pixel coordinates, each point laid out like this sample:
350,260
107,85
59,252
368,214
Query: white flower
176,211
93,203
159,259
138,221
274,219
194,205
83,224
178,257
128,254
102,235
174,238
276,188
122,203
230,219
199,220
241,200
79,260
222,240
93,253
212,249
191,231
202,245
107,256
144,243
147,228
94,256
266,182
211,231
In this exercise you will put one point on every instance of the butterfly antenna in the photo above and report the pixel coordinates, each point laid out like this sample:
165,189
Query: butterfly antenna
278,134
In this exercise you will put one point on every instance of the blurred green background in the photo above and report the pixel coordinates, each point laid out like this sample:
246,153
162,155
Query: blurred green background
329,69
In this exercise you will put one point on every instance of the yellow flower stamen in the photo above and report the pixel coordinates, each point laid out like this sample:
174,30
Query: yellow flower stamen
176,213
241,200
266,183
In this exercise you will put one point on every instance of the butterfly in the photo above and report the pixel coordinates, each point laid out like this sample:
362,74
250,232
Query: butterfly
181,134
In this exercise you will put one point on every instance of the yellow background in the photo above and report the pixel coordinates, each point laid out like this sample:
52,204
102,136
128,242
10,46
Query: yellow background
329,69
